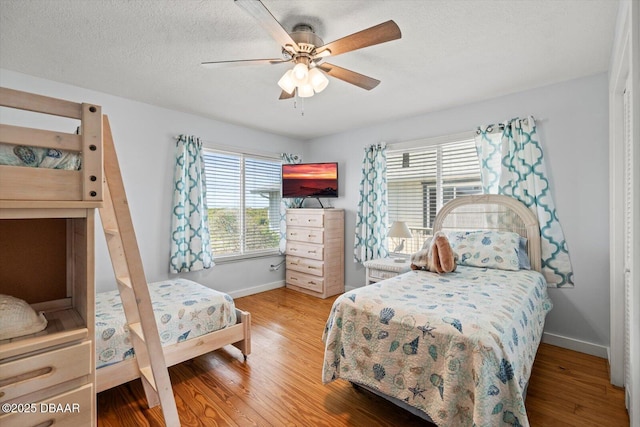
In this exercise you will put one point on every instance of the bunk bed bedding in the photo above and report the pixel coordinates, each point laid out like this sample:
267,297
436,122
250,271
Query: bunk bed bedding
39,157
183,310
458,347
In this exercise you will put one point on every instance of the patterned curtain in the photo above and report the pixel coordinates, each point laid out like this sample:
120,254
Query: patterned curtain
287,203
512,164
372,220
190,240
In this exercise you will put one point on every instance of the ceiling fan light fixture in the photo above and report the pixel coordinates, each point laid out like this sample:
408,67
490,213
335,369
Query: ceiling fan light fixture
318,80
300,73
305,91
286,82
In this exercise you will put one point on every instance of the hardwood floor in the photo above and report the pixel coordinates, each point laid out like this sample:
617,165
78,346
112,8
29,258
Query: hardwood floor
279,384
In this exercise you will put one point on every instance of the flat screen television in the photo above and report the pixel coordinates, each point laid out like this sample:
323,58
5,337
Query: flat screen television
310,180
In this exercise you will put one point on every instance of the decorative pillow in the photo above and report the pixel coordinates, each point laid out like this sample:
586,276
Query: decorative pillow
485,248
17,318
523,258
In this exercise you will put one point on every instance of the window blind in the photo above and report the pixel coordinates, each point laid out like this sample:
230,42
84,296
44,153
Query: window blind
243,196
420,180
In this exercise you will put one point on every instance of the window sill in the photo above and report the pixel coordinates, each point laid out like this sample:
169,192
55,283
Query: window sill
245,257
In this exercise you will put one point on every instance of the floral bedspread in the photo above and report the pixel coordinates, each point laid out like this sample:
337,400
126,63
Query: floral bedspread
457,346
39,157
183,310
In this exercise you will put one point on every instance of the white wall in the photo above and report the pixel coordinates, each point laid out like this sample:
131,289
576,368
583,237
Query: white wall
144,140
572,120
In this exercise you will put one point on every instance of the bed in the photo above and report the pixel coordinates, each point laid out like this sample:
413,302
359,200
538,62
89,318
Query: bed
458,348
192,320
41,165
51,183
47,217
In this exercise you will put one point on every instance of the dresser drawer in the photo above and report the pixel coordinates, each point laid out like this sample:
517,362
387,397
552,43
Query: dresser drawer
305,250
305,265
70,409
32,373
305,219
381,274
306,281
305,235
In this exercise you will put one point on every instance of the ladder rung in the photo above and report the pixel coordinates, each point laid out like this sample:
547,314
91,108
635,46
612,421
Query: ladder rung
111,231
147,374
136,328
124,281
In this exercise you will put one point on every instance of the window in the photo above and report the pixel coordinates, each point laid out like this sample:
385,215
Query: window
243,196
422,177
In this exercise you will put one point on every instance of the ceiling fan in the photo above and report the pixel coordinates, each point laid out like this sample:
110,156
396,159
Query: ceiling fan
307,51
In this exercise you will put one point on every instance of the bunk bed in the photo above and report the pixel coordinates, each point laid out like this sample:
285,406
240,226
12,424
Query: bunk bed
47,252
44,188
456,348
47,222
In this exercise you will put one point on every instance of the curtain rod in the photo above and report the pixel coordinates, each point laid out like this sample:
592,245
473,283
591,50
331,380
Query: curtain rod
233,149
490,128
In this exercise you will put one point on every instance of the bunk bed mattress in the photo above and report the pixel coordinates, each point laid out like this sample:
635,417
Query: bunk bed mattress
183,310
39,157
458,347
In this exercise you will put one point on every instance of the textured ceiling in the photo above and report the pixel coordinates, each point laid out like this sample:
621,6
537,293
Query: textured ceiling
452,52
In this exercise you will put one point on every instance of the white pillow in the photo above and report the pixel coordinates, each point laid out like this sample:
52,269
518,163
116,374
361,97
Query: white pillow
17,318
486,248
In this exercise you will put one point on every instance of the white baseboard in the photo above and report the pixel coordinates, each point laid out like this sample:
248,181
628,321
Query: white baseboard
257,289
576,345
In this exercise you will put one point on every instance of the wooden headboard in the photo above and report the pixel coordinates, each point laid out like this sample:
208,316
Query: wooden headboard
492,212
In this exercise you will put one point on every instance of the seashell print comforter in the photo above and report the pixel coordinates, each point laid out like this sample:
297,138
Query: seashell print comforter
183,310
39,157
457,346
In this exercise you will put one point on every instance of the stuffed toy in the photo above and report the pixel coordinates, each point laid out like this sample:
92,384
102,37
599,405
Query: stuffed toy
436,255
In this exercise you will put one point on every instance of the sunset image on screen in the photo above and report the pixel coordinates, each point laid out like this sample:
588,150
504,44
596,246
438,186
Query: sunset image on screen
310,180
310,171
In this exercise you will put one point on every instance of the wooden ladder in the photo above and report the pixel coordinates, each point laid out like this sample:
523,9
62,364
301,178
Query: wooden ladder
132,284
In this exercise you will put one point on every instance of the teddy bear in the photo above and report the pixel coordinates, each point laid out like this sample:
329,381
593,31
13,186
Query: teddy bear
436,255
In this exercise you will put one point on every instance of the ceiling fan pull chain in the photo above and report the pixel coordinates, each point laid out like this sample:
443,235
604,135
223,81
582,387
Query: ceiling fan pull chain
295,102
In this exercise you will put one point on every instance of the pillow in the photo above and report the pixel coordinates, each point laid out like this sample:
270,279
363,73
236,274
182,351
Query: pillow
18,318
486,248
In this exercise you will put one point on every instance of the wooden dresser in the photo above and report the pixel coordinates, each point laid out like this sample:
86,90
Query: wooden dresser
315,251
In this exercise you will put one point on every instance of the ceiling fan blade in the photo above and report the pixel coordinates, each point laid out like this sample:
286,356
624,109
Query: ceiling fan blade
349,76
241,62
377,34
287,95
260,12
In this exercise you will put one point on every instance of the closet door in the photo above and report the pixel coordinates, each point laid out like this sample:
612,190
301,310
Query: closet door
630,294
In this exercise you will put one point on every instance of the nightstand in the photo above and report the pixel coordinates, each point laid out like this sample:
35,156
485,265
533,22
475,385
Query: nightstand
384,268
